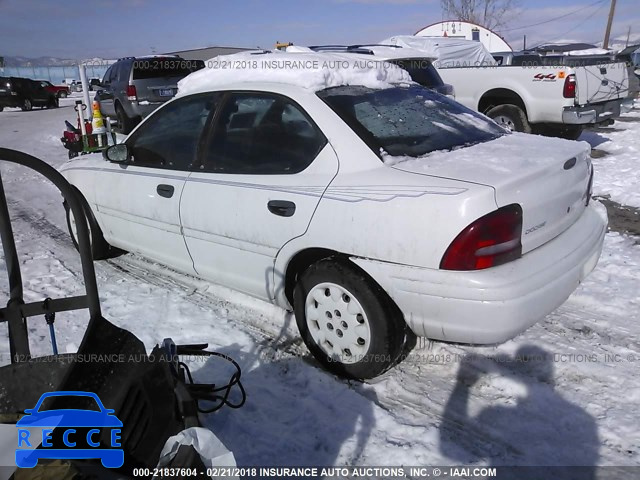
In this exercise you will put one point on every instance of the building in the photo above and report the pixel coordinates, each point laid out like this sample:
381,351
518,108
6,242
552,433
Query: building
207,52
467,30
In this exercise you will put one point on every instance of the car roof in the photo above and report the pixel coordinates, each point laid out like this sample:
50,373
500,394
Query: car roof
310,71
381,51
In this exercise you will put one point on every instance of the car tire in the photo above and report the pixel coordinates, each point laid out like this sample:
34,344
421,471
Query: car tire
62,95
125,124
510,117
347,320
1,109
53,102
100,248
27,106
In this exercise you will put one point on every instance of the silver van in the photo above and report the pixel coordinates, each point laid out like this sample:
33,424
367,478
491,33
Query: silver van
133,87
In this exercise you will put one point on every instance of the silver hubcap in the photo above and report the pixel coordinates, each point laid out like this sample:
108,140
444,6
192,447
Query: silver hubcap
337,323
505,122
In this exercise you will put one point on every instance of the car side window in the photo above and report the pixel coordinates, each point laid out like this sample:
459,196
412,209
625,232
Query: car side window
107,76
170,137
261,133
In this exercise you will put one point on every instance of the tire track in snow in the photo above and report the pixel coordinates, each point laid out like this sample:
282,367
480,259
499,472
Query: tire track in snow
403,398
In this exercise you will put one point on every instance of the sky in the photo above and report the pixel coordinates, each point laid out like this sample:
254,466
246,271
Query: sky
84,29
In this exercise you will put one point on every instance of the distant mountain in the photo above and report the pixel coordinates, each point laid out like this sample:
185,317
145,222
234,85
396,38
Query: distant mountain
50,61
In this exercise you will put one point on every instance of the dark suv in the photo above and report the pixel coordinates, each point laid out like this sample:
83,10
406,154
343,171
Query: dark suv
133,87
25,93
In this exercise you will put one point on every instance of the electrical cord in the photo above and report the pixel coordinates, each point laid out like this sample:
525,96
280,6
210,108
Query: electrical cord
553,19
208,392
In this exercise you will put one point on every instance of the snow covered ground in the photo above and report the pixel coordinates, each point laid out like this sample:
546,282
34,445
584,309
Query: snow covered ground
566,392
616,165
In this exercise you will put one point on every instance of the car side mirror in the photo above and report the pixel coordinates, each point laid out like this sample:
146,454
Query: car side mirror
117,153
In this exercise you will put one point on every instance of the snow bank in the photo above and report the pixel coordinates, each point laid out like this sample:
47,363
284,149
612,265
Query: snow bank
313,71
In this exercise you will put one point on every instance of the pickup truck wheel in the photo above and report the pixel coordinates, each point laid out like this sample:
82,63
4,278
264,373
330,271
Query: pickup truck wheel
100,249
62,94
27,105
510,117
347,321
1,108
53,102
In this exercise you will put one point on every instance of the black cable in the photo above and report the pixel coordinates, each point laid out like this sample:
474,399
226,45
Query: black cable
208,392
552,19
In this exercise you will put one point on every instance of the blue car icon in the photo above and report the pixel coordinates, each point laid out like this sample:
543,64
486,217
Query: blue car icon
79,430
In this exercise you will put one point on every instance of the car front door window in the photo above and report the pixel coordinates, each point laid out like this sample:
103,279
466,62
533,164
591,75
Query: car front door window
169,138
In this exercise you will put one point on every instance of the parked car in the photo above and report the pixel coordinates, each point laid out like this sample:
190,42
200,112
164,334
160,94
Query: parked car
133,87
25,94
95,84
419,66
547,96
375,209
73,84
60,91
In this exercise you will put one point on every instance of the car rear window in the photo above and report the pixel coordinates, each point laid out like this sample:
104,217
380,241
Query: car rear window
408,120
421,70
145,68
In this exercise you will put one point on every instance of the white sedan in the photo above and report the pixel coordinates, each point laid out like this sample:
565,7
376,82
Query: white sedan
372,207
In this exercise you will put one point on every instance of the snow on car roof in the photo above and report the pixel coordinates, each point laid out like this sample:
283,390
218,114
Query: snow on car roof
308,70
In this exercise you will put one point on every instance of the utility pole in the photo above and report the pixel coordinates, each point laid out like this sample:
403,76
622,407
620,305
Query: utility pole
607,32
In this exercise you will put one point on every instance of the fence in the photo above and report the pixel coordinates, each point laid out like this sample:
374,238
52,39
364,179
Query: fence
56,73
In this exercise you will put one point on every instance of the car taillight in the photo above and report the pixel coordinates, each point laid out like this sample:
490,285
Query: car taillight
131,92
489,241
569,90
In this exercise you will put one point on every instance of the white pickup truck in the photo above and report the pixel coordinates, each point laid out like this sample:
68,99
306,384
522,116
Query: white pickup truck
556,100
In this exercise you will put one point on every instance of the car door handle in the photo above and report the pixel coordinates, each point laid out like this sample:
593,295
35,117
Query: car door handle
281,208
165,191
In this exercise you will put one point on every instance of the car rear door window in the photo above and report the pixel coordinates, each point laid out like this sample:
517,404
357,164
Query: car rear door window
170,137
107,75
260,133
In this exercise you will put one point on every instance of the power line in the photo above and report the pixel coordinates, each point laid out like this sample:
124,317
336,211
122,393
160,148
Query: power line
555,18
575,27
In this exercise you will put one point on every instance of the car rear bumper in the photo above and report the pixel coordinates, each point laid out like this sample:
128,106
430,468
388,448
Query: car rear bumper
494,305
10,101
144,108
589,114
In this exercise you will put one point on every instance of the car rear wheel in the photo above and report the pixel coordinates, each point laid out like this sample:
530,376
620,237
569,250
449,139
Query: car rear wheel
125,124
100,249
27,105
53,102
347,321
510,117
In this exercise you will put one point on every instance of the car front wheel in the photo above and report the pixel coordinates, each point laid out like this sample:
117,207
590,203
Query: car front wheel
347,321
27,105
62,94
100,249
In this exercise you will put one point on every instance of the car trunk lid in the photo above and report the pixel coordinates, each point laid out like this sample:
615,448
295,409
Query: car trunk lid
548,177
